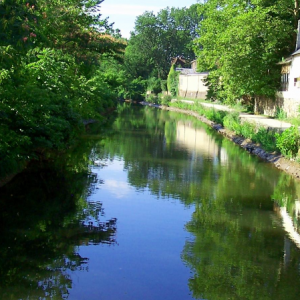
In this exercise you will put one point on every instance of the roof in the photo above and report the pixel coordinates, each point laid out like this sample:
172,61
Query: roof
296,52
186,71
286,61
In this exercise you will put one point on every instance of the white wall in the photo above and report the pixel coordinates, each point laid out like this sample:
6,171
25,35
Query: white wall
192,86
294,90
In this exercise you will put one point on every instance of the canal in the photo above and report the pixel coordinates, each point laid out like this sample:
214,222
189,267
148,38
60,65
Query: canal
156,206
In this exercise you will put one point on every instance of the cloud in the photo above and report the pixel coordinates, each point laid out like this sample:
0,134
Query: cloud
119,189
129,10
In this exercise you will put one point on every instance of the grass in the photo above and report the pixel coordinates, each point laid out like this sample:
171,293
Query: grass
288,142
231,121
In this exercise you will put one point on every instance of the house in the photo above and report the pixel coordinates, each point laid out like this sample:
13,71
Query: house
290,73
192,83
288,98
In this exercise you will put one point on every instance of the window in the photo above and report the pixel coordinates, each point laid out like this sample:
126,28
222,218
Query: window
297,82
285,74
285,81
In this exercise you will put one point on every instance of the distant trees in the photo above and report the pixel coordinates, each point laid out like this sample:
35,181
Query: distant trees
50,79
241,42
159,37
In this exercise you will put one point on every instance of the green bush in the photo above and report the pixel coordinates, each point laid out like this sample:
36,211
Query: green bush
266,138
248,130
152,98
232,122
154,85
280,114
163,85
288,141
164,99
172,81
136,89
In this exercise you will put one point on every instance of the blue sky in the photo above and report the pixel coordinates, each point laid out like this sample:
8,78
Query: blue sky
124,12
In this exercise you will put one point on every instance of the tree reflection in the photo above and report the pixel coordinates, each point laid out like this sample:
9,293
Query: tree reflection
239,249
237,253
44,219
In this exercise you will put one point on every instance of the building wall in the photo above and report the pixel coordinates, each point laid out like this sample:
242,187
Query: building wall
294,80
289,100
192,86
269,107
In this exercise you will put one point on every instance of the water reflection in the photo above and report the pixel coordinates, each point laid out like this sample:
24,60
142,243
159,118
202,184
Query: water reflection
239,254
240,249
199,143
44,219
157,172
286,198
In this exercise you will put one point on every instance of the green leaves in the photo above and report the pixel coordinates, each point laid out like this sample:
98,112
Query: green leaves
49,82
288,141
241,43
172,81
158,38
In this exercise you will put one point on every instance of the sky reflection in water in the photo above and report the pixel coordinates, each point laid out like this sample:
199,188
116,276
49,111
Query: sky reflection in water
197,218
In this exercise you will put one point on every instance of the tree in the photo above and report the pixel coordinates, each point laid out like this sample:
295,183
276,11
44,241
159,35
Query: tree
50,53
241,43
158,38
172,81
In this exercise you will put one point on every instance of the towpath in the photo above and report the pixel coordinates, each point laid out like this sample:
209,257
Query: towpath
257,119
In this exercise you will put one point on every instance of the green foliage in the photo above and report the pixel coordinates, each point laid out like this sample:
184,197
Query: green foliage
164,99
232,122
154,85
156,39
214,115
249,130
152,98
241,43
136,89
49,82
288,141
266,138
172,81
280,114
164,86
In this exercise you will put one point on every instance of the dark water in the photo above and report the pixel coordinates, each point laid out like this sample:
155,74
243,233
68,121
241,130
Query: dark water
157,207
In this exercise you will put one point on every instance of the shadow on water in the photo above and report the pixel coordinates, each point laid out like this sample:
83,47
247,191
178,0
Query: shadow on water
44,219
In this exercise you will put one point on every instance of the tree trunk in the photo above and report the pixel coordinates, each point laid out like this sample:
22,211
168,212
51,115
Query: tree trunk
296,11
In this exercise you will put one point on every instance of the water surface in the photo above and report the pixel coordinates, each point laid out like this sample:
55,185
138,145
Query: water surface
160,207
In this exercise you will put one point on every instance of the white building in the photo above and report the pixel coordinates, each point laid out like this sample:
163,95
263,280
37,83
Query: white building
192,83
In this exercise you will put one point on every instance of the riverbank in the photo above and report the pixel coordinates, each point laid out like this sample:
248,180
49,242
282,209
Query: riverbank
278,160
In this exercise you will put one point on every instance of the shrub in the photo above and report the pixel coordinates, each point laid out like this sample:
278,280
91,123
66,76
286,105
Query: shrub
164,99
288,141
154,85
266,138
216,116
172,81
232,122
280,114
163,85
152,98
248,130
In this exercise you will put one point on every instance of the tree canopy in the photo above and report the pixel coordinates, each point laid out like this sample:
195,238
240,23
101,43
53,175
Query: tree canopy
156,39
241,42
50,54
